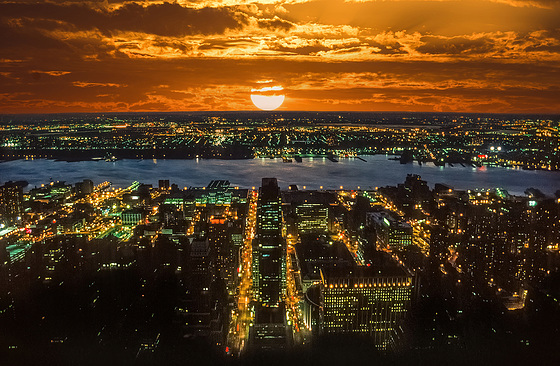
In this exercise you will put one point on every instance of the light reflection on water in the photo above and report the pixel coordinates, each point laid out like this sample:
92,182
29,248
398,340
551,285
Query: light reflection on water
313,173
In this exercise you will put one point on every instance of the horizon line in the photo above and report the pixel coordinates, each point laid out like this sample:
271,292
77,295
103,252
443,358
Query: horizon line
281,111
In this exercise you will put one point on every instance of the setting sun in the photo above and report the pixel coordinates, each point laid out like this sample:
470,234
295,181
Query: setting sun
265,98
393,55
267,102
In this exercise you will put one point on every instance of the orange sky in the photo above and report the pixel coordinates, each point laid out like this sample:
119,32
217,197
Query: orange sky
392,55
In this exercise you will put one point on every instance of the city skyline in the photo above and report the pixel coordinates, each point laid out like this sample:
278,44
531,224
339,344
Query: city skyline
93,56
279,182
219,272
386,237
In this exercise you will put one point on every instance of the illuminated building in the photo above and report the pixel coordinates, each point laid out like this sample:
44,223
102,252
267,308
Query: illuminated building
174,200
313,254
309,211
312,218
270,332
11,203
132,217
217,192
52,258
366,301
269,247
61,255
55,191
172,216
223,251
391,233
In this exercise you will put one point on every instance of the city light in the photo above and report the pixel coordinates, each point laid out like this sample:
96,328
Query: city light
408,265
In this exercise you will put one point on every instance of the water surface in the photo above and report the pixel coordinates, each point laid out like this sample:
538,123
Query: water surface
312,173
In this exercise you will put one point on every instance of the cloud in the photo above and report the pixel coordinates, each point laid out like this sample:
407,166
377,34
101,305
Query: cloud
275,23
224,44
85,84
537,45
225,84
516,3
547,4
165,19
52,73
14,37
66,55
456,45
299,48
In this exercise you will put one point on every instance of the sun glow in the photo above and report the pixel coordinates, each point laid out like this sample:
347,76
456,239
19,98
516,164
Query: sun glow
267,102
265,98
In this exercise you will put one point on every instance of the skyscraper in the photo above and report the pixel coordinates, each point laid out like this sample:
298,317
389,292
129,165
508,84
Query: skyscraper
11,202
312,218
269,247
366,301
391,233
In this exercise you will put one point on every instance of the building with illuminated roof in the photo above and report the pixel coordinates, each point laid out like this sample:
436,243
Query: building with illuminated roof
365,301
391,233
310,210
312,218
217,192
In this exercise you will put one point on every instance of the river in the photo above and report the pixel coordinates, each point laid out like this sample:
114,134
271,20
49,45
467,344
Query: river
312,172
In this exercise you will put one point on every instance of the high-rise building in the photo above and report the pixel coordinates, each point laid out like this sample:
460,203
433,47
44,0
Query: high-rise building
163,184
201,266
391,233
308,211
270,331
269,247
85,187
312,254
11,202
366,301
312,218
132,216
223,252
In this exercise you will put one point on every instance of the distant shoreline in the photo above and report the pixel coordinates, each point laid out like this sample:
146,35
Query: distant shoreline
313,173
93,155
